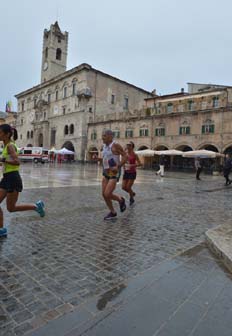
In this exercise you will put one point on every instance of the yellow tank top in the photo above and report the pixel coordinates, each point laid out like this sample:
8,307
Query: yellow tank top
8,168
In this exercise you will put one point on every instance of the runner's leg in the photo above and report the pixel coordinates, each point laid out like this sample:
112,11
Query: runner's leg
11,200
105,194
129,187
109,191
124,185
2,197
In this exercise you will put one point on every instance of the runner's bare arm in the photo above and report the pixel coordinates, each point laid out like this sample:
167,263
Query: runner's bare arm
117,149
14,156
139,164
97,158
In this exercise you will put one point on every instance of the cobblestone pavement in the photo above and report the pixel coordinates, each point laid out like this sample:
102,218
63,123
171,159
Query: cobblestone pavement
51,266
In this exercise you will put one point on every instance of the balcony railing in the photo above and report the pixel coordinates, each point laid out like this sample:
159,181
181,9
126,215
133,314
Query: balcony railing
84,93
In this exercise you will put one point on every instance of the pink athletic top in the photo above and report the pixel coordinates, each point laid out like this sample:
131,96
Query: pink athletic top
130,164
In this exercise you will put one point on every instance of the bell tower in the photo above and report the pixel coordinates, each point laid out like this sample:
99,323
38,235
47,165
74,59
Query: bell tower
55,51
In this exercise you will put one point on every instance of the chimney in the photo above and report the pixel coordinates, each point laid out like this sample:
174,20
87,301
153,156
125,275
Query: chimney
182,90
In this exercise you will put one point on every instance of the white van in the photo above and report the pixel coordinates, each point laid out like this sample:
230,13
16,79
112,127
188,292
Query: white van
33,154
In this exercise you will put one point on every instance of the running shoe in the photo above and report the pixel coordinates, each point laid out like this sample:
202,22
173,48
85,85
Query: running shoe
110,216
40,208
122,204
132,200
3,232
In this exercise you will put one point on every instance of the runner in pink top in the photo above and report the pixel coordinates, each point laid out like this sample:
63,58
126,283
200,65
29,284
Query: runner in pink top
130,171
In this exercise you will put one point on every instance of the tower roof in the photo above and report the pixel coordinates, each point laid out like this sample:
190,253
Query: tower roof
57,27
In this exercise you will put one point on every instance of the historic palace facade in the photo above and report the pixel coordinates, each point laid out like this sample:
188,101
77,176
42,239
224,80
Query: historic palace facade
198,119
56,112
71,108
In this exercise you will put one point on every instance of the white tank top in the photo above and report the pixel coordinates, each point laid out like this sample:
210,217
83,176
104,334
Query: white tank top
108,155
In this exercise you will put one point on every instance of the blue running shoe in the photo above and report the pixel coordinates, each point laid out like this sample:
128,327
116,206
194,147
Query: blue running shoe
40,208
3,232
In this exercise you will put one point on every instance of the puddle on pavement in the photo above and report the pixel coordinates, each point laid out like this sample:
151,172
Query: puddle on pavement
109,296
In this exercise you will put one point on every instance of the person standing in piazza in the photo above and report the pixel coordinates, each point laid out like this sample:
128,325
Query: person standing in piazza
111,153
198,166
161,164
129,176
227,169
11,183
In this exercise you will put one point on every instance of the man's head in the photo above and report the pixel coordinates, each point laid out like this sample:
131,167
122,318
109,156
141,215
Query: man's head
107,136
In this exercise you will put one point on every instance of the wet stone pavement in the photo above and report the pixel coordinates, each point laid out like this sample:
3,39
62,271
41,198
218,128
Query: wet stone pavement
52,266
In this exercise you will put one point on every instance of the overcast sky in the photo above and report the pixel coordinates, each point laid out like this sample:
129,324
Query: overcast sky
160,44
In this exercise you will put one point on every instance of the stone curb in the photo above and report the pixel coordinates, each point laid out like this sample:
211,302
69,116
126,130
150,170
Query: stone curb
219,241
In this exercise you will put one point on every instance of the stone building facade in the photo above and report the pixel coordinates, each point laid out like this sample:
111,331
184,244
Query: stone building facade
197,119
8,118
56,112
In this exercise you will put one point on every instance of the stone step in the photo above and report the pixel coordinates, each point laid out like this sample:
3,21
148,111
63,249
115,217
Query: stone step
219,240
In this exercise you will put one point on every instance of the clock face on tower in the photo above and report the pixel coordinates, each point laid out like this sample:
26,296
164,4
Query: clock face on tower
45,66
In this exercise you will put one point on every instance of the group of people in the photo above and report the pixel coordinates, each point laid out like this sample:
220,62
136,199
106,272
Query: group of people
227,167
114,158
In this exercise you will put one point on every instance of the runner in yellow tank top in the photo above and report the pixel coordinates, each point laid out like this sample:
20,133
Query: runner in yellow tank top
11,183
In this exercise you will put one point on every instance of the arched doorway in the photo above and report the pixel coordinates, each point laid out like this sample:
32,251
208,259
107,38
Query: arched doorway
40,140
228,150
210,165
68,158
161,147
68,145
181,163
142,147
210,148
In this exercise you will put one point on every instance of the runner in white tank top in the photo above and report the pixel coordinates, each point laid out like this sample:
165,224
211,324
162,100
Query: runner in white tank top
112,164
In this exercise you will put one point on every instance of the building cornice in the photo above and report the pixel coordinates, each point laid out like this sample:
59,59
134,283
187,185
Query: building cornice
161,116
79,68
186,96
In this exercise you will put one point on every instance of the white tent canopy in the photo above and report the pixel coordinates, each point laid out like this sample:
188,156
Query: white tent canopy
169,152
64,151
202,153
145,152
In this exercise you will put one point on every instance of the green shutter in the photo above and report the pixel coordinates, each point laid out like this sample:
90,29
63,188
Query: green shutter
203,129
212,128
180,130
140,132
188,130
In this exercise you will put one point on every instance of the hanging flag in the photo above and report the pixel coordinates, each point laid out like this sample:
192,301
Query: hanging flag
8,106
